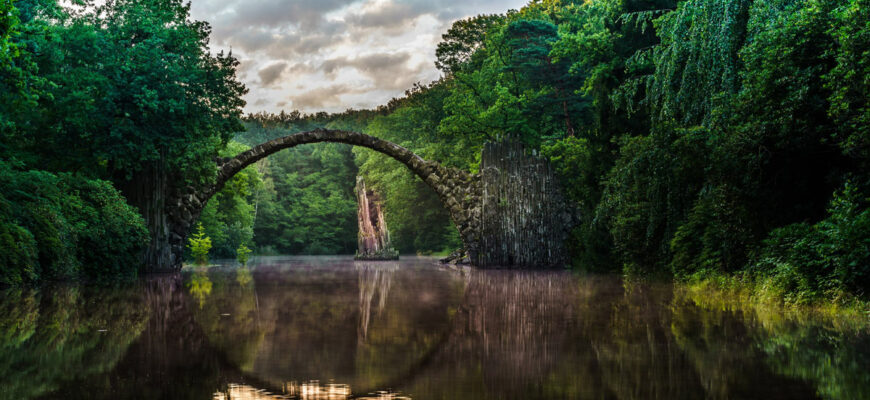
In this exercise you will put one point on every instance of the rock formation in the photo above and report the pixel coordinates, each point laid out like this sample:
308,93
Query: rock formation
524,219
374,238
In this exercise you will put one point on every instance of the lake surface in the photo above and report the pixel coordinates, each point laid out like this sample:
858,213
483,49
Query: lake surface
332,328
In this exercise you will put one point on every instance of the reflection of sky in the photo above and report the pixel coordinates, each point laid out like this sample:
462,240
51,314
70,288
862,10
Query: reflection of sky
332,55
313,390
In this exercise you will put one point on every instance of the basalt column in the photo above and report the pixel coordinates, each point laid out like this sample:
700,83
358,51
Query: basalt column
524,220
374,238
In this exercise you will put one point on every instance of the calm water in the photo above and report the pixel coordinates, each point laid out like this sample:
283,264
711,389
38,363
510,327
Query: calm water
331,328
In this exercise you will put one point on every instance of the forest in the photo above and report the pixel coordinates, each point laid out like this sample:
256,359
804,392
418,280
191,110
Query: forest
723,141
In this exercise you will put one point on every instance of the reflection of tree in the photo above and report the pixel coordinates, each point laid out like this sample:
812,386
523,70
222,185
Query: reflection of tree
230,317
63,334
468,334
506,336
521,335
200,285
634,350
725,340
172,358
827,359
244,277
374,278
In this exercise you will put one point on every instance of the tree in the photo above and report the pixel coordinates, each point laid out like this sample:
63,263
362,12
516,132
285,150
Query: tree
848,81
462,40
229,216
515,88
131,95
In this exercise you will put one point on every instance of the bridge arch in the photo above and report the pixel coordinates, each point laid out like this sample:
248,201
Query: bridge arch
459,191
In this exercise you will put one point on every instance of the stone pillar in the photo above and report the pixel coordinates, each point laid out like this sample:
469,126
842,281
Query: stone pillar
373,239
523,220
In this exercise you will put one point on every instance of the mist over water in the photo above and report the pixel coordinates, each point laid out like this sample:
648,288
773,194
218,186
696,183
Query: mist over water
332,328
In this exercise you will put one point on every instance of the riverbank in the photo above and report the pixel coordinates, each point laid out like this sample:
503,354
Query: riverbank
760,295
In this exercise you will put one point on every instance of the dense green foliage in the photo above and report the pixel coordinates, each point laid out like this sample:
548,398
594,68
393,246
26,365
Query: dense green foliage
118,94
63,227
228,218
306,203
105,104
742,141
695,137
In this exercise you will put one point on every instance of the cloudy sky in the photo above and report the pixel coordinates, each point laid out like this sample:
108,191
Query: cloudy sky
332,55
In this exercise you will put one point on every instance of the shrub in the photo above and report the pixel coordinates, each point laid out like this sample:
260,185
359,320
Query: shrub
242,254
200,244
110,232
821,260
65,226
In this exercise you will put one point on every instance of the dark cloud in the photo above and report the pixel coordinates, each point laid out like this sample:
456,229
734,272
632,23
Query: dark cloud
249,40
271,73
301,68
257,40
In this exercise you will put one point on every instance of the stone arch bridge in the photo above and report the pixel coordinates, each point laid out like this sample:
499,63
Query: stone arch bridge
510,214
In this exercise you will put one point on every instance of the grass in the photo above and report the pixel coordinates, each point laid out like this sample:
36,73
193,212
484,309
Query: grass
743,292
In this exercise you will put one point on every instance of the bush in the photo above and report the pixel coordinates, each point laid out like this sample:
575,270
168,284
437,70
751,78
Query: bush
19,260
807,262
65,227
715,235
791,262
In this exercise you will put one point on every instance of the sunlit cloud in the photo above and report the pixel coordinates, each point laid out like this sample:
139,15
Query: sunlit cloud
331,55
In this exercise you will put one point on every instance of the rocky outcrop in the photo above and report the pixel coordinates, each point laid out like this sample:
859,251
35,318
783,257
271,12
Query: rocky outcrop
373,237
457,257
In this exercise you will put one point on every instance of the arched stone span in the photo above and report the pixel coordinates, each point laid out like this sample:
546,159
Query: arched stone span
459,191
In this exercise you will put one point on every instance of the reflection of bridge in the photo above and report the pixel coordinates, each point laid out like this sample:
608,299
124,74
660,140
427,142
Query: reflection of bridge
512,320
510,214
181,351
500,335
508,331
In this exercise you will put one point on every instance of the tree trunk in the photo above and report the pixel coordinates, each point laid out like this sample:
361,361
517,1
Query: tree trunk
148,191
